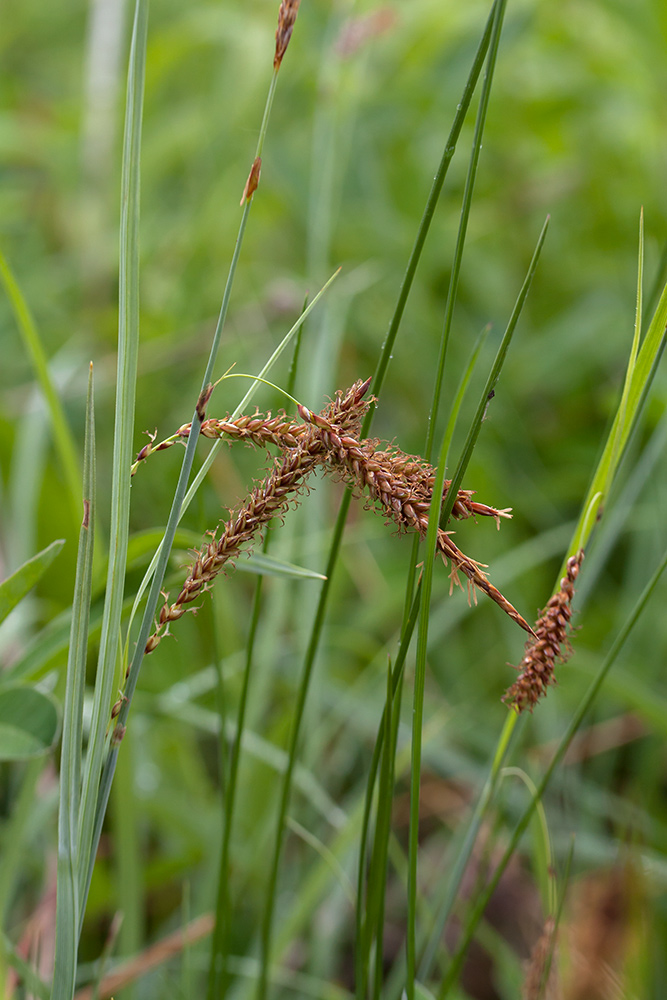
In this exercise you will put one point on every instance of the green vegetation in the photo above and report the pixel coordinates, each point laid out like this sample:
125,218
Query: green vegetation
308,787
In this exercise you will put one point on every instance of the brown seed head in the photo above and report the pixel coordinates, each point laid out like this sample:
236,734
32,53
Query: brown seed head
550,644
253,181
286,18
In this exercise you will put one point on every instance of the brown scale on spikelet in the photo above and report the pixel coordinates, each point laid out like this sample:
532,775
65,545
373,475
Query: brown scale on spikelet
551,644
286,18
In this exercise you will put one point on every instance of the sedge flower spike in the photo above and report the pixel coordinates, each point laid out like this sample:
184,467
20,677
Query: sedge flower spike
397,485
550,645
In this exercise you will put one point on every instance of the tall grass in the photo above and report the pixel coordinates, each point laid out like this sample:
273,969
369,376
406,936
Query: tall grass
313,824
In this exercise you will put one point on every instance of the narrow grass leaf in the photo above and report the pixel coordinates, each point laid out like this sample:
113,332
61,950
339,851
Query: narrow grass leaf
511,720
378,379
128,350
583,708
641,369
68,875
440,512
16,586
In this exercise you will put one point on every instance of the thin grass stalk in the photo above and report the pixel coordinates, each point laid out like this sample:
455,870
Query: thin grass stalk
471,176
218,967
378,380
375,893
463,855
178,501
644,370
492,381
362,940
436,505
510,722
128,350
410,613
584,707
383,826
67,905
441,510
429,211
208,461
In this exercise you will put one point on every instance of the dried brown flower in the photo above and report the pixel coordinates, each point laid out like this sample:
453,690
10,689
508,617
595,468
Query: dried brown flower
551,644
401,485
286,18
253,180
268,500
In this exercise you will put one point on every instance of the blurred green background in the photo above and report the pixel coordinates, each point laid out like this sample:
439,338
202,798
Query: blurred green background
577,129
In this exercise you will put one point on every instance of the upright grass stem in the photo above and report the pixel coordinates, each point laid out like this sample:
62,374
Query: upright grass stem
218,965
378,380
485,894
128,350
131,159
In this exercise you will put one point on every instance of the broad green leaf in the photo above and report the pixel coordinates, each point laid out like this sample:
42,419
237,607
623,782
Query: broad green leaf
29,722
16,586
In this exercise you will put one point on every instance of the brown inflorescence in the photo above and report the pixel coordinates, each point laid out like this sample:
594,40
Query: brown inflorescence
400,485
268,500
286,18
550,646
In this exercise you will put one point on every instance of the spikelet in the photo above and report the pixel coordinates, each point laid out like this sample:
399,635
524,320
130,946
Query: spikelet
286,18
550,646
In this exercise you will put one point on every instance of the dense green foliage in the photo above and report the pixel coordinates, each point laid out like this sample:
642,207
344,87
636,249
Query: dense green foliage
365,99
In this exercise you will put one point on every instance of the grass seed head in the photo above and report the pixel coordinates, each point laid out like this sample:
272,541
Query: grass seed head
550,645
286,18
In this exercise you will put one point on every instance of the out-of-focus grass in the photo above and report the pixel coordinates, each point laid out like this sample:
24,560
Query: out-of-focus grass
575,128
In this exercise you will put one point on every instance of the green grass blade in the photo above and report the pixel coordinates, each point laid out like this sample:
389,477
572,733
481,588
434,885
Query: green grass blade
67,905
410,615
219,958
641,370
440,512
16,586
180,500
453,287
584,707
429,210
492,381
128,350
378,875
62,435
378,379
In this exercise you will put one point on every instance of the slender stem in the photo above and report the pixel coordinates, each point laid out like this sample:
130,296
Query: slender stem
578,717
434,518
172,524
378,379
